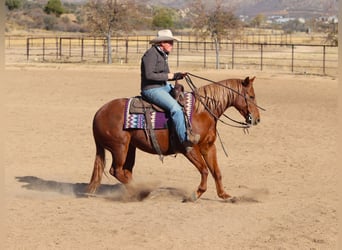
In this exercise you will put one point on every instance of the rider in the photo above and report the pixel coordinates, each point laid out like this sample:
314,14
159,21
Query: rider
155,74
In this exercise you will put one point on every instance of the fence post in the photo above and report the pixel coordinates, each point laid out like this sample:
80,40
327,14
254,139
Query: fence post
60,47
205,54
126,55
69,48
94,46
43,48
82,48
104,50
324,59
27,49
56,48
189,43
137,45
233,49
261,55
292,58
177,54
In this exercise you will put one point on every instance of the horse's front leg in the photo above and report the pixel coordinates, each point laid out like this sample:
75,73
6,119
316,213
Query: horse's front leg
210,157
196,158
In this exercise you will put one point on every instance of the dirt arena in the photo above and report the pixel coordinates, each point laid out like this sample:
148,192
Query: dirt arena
283,171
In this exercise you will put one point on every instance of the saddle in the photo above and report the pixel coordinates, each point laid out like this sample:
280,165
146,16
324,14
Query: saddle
140,106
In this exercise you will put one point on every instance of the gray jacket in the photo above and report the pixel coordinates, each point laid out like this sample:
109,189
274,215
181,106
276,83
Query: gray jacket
154,68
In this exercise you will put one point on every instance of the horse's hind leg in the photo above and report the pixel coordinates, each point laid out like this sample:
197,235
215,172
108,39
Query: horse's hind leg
122,165
99,165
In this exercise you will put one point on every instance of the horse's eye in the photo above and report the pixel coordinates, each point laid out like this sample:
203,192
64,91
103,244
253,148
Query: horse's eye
252,97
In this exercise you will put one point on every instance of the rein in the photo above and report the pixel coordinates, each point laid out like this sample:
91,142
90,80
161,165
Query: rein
208,80
192,86
242,125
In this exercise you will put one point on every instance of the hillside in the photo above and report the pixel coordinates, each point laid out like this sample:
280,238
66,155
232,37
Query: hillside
290,8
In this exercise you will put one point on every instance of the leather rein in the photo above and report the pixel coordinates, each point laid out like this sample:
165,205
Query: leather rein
242,125
192,86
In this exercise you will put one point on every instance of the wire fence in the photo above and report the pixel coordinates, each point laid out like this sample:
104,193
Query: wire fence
296,58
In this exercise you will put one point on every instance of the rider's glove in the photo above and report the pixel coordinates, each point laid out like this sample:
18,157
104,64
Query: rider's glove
178,76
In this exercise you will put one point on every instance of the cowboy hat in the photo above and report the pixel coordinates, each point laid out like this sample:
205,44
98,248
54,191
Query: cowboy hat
163,36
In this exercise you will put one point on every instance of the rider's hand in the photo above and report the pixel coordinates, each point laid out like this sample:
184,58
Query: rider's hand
179,75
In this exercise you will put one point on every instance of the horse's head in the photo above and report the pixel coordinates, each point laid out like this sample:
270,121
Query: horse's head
246,102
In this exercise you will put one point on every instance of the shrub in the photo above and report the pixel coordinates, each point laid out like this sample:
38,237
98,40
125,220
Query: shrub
55,7
13,4
50,22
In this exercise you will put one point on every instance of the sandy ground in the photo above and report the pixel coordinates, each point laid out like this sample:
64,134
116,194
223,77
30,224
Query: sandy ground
283,171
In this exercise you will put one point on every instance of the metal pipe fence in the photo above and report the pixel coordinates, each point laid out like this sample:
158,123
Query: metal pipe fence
296,58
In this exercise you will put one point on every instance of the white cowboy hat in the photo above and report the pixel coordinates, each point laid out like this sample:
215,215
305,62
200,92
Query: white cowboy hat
163,36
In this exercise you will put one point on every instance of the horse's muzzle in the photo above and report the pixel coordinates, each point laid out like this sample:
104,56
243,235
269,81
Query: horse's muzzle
251,120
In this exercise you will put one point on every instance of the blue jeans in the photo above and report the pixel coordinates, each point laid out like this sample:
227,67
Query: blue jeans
161,97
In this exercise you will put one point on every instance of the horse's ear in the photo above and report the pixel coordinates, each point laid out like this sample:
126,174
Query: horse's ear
246,81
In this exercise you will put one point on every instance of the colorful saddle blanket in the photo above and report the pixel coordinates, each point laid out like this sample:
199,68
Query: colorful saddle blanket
158,119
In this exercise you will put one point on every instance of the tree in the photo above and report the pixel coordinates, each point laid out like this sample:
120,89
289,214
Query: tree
214,23
55,7
332,33
200,19
163,18
13,4
258,20
109,17
50,22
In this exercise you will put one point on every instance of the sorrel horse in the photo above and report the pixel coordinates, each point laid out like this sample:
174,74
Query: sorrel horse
211,101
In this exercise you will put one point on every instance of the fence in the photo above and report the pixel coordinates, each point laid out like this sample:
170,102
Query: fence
297,58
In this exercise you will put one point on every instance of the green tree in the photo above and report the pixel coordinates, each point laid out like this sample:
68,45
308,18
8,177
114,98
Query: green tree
55,7
163,18
13,4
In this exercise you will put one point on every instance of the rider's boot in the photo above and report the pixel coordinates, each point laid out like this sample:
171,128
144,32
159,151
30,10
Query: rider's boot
191,140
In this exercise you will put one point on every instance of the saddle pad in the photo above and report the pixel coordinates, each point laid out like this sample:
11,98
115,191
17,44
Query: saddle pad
158,119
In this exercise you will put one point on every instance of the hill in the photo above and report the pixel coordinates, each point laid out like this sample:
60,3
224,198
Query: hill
288,8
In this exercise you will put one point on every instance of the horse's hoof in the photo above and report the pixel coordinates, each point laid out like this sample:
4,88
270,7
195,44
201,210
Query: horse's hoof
143,194
89,191
87,195
191,198
231,199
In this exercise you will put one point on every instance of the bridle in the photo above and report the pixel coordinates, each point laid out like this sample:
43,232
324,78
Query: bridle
243,125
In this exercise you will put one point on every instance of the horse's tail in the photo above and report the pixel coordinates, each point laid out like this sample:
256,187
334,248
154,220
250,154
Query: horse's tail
99,165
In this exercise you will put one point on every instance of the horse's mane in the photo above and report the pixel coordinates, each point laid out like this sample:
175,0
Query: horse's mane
216,96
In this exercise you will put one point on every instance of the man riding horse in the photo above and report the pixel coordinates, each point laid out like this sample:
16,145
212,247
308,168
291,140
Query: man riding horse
155,88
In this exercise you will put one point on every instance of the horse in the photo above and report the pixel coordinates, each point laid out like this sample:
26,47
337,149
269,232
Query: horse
211,101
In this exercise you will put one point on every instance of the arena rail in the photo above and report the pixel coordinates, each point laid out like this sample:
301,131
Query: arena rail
297,58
